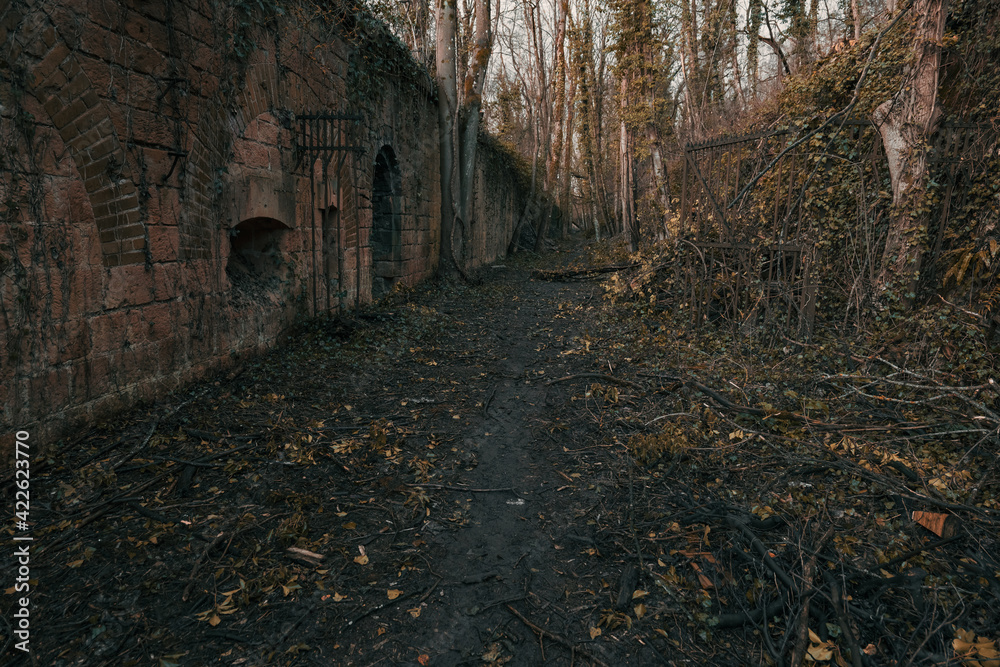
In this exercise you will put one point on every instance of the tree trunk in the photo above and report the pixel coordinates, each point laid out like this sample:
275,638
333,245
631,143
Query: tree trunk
530,206
659,173
565,194
472,102
630,224
543,105
447,104
456,207
907,124
559,104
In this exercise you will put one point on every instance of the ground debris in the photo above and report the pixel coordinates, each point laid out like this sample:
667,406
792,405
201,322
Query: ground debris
764,502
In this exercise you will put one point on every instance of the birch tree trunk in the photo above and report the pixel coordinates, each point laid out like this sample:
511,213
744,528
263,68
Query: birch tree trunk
907,124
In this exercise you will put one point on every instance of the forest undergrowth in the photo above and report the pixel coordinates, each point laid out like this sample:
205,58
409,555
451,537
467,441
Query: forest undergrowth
830,498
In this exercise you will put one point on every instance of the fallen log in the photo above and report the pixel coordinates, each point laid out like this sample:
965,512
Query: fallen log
579,273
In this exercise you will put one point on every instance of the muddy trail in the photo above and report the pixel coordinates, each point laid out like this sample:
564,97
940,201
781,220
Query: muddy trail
429,482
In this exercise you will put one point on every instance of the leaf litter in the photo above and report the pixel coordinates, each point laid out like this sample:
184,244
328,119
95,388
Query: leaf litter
555,469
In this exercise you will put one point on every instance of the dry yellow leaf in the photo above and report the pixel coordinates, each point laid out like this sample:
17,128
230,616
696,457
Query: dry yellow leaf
394,593
975,651
595,633
362,559
819,650
640,611
215,620
415,612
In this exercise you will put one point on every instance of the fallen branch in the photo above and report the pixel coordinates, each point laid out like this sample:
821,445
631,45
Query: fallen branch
448,487
741,618
197,564
135,450
542,632
389,603
304,556
595,376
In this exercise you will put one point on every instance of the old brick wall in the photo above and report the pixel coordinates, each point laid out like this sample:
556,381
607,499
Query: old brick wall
155,221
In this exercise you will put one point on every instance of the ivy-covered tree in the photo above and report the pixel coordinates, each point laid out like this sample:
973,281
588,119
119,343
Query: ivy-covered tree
907,123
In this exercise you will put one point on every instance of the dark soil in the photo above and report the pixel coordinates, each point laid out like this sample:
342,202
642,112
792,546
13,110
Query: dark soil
530,471
461,504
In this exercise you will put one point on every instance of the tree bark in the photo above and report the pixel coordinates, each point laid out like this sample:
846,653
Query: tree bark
907,124
659,172
565,194
475,79
630,224
447,104
459,127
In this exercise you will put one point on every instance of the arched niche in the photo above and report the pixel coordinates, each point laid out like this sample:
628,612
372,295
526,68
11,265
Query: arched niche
387,227
257,261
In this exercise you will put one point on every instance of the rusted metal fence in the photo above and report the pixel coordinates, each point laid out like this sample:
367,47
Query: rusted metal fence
745,209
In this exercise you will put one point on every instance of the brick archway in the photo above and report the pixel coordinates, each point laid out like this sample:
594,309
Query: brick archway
66,93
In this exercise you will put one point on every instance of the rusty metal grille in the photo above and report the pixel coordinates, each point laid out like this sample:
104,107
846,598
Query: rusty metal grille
320,137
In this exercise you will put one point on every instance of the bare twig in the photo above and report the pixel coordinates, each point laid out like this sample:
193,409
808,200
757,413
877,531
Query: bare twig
198,563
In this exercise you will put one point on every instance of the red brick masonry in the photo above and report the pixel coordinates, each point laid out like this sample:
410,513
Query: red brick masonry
155,221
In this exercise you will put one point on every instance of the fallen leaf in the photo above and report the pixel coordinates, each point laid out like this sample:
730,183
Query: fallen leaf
595,633
394,593
976,651
819,650
361,560
415,612
424,659
640,611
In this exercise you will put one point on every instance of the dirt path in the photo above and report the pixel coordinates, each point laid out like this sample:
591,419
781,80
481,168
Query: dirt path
519,547
461,509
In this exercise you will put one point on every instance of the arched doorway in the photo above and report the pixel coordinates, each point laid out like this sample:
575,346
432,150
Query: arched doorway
386,233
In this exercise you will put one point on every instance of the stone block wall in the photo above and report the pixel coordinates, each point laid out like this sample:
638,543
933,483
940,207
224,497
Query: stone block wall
156,219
